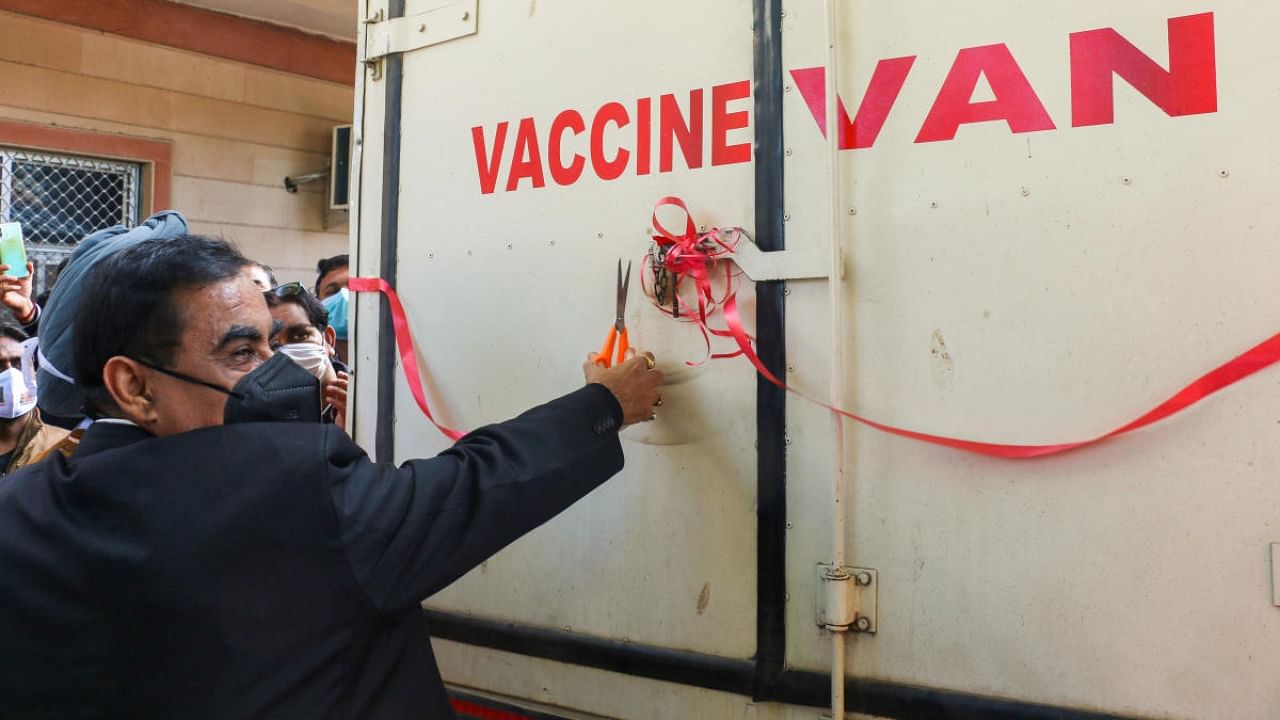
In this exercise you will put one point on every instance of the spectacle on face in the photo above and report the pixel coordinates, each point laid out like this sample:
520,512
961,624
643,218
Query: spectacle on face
287,289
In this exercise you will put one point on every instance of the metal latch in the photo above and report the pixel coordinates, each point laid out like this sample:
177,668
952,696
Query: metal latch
847,598
798,264
401,35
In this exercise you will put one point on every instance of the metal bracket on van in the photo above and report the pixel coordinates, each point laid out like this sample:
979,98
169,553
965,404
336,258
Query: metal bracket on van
847,598
401,35
760,266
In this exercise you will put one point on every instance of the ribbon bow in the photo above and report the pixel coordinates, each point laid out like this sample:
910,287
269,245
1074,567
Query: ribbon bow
696,255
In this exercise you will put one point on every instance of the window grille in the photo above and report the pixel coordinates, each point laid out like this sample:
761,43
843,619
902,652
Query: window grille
59,199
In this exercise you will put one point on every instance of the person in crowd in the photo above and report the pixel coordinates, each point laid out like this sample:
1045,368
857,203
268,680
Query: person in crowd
59,399
331,275
261,274
192,560
15,295
300,329
24,437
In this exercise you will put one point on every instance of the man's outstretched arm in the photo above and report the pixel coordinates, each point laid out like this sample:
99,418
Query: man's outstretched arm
412,530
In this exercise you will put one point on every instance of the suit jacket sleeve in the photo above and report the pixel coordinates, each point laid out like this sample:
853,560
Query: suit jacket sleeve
412,530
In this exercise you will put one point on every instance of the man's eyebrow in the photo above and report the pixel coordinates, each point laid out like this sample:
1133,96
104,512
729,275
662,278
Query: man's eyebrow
239,332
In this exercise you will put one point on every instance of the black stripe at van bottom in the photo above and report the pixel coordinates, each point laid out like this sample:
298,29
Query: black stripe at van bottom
791,687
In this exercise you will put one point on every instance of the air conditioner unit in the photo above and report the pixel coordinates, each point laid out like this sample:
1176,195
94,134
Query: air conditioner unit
338,175
340,169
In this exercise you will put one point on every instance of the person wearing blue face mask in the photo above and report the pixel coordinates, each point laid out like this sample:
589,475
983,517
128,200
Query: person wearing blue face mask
336,306
212,550
332,274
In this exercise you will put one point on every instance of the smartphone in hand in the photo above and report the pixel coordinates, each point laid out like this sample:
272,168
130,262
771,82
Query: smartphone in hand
12,251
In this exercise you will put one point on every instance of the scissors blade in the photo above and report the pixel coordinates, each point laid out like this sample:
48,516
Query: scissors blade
623,285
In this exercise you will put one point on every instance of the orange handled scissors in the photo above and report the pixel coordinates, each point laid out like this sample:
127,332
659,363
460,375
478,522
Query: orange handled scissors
618,333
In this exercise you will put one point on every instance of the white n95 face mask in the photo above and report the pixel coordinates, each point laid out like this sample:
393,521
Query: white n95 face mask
312,357
16,397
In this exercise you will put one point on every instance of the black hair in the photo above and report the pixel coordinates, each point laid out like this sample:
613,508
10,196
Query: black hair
13,333
328,265
316,313
127,306
270,271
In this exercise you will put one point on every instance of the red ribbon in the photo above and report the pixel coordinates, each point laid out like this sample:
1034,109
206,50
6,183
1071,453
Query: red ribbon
404,342
695,254
1261,356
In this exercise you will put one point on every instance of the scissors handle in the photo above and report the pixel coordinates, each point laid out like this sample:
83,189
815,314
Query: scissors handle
624,344
605,356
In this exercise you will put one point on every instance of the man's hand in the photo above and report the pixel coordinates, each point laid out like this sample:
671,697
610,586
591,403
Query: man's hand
636,385
335,394
16,294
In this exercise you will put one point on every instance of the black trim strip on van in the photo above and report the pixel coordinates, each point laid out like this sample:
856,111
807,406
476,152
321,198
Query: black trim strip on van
686,668
771,400
791,687
764,677
384,444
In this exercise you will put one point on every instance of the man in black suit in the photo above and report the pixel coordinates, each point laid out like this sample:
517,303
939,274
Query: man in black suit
184,563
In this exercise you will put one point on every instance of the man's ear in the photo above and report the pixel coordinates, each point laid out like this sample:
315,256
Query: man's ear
330,337
129,385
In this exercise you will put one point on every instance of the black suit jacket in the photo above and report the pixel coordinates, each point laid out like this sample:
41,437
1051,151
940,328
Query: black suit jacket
264,570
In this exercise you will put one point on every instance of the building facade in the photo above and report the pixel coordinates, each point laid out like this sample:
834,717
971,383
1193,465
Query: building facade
112,110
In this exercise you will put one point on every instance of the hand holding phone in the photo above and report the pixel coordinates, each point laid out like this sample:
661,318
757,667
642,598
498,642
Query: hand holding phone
12,250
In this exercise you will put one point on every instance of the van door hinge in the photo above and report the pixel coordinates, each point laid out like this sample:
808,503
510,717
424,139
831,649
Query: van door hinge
847,598
404,34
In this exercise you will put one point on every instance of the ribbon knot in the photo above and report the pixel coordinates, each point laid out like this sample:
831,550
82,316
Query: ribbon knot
695,255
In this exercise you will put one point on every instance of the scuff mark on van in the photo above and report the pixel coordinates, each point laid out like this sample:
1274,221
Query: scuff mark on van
943,366
533,7
704,598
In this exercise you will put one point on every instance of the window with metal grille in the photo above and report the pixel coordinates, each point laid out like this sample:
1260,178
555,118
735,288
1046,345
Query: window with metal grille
59,199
